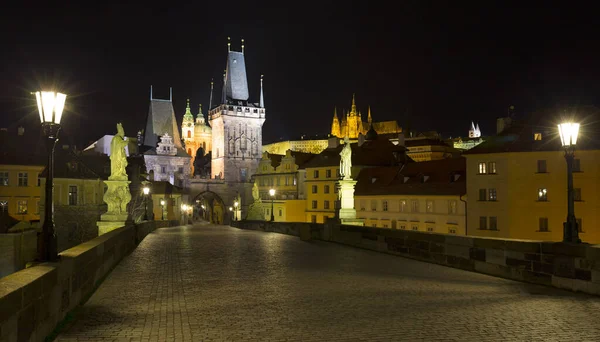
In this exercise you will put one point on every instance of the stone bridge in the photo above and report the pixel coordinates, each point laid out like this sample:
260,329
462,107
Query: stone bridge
215,283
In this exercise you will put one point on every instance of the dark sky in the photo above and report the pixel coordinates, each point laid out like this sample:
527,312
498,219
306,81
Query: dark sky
431,65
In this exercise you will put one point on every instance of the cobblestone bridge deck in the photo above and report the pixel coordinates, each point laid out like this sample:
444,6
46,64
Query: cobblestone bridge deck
215,283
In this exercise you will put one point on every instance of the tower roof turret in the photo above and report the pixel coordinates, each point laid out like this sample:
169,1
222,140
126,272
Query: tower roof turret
188,113
200,116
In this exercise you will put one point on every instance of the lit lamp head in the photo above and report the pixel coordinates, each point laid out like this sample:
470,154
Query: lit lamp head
162,202
202,206
230,209
50,105
183,207
568,134
235,204
146,190
272,192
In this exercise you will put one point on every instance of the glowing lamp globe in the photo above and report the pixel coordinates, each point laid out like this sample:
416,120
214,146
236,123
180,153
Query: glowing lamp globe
272,192
146,190
50,105
568,133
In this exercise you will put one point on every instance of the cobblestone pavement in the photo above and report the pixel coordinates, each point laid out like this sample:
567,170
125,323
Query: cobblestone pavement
216,283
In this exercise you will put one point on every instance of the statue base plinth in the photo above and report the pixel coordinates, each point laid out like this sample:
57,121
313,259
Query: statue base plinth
107,226
353,222
255,212
117,196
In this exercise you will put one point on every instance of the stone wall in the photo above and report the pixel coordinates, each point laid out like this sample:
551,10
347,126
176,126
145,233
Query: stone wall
568,266
16,250
76,224
33,301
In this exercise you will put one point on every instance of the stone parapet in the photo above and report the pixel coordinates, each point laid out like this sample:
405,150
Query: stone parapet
34,300
574,267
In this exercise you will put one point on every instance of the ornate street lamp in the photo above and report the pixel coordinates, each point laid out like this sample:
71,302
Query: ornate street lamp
272,193
146,192
235,204
50,105
568,137
162,205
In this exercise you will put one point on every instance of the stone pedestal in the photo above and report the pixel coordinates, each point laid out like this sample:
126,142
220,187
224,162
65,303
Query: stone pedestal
117,196
347,212
256,212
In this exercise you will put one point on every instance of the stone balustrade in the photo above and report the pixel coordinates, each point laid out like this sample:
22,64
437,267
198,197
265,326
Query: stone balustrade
34,300
573,267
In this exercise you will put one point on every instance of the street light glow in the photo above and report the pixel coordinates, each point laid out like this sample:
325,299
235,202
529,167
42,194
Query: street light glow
568,133
50,106
162,202
146,190
235,204
272,192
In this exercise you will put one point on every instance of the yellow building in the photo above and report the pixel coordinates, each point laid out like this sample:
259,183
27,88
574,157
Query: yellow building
20,189
516,185
171,195
283,173
300,145
352,124
322,173
196,134
427,196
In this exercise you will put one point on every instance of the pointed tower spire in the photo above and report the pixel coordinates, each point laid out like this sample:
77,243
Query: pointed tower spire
211,92
262,99
188,111
335,125
242,46
200,116
228,44
171,94
151,92
369,118
223,95
353,110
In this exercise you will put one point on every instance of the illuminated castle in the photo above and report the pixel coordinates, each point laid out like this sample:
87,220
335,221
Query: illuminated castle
352,124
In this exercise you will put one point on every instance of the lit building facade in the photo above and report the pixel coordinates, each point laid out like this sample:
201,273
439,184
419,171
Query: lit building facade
303,145
20,190
196,133
352,124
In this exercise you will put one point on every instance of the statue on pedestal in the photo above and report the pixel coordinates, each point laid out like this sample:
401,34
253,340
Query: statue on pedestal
346,160
255,210
118,155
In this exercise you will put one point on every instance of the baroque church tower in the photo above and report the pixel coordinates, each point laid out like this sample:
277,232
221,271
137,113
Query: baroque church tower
236,124
187,128
335,125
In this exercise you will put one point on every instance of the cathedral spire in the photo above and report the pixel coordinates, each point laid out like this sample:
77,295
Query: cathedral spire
242,46
335,125
211,92
353,110
262,99
370,119
188,112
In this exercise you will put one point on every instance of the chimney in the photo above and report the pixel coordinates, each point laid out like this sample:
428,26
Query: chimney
21,130
333,142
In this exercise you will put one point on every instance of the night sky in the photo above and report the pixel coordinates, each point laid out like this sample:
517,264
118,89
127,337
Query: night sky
431,65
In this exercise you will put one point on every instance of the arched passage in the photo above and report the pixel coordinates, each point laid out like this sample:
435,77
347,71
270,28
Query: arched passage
209,206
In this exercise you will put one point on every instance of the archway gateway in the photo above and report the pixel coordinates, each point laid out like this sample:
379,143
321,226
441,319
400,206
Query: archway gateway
209,206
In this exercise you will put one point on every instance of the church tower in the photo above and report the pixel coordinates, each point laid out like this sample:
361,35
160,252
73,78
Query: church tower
236,124
353,120
187,127
202,133
335,125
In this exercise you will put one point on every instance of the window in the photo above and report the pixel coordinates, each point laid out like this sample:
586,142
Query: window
542,194
414,206
328,173
482,194
579,225
3,178
452,207
314,204
39,182
385,225
3,206
313,218
278,181
22,178
577,194
326,205
189,134
22,207
482,169
295,181
37,207
576,165
243,174
543,225
180,170
373,205
537,136
335,189
415,227
451,230
326,189
492,194
429,206
482,222
316,174
163,169
72,194
403,226
430,229
492,167
493,223
314,189
384,205
362,205
402,206
287,180
280,212
541,166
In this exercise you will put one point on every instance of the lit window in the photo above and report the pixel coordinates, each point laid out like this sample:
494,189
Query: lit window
429,206
3,178
23,178
314,189
482,194
537,136
452,207
3,206
402,206
542,194
492,167
493,223
22,207
482,222
541,166
577,194
295,181
482,169
543,225
492,194
384,205
451,230
72,195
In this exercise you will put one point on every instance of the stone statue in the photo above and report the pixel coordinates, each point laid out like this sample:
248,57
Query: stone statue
118,157
255,210
255,194
346,160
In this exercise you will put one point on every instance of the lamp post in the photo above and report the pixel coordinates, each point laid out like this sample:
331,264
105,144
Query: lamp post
146,192
568,138
162,210
230,213
235,204
272,193
50,105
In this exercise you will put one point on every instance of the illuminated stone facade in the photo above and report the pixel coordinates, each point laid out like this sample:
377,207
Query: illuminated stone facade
352,124
195,134
306,146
